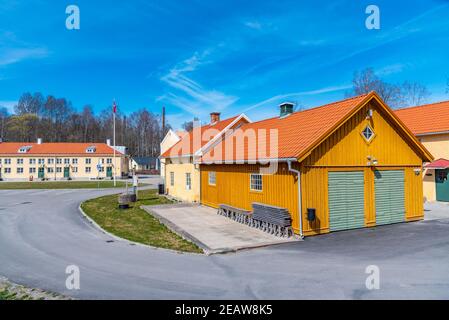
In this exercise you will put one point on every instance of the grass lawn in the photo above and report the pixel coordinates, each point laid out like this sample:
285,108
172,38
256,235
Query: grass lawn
136,224
62,185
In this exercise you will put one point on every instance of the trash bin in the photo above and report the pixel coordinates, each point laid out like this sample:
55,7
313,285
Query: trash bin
161,188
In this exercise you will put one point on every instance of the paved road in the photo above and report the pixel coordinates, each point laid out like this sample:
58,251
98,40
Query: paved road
42,232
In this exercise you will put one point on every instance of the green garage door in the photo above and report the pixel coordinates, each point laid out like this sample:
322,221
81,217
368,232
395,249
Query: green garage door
346,200
390,196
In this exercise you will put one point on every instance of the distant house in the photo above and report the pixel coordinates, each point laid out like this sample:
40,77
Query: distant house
144,163
170,139
430,124
182,175
59,161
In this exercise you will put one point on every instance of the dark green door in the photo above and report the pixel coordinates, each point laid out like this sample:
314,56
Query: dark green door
346,200
442,185
109,172
66,172
390,196
41,173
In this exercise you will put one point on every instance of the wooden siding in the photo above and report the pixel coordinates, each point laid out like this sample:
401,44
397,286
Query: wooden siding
233,182
346,147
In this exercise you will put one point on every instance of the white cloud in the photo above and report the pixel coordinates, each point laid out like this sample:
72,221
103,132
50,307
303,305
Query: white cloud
9,105
253,25
390,69
292,95
13,50
190,95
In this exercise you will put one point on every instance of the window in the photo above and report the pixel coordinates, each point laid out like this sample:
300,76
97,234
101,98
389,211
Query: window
0,161
101,169
7,170
32,161
50,161
50,170
74,169
20,170
7,161
88,169
41,161
109,160
58,161
256,182
91,149
102,161
368,133
32,170
88,160
19,161
58,169
74,161
66,161
212,178
188,181
172,179
24,149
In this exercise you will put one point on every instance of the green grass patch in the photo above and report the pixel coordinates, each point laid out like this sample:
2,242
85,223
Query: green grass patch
5,294
102,184
136,224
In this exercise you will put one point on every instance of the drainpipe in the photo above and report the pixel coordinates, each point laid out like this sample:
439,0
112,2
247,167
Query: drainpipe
298,173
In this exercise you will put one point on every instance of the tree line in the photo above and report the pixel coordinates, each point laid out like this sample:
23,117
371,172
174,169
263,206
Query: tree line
55,120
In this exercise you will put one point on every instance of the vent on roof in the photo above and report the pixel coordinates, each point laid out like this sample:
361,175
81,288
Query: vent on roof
91,149
24,149
286,108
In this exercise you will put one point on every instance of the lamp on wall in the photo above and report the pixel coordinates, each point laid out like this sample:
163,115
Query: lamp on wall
417,171
369,114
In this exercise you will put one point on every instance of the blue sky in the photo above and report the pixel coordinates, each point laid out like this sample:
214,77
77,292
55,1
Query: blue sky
196,56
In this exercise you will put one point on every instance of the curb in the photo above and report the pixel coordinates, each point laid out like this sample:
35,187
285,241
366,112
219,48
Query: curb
97,226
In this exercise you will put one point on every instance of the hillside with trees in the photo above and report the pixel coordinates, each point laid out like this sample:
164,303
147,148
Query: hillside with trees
55,120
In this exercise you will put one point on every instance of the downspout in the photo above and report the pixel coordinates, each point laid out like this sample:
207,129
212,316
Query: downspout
298,173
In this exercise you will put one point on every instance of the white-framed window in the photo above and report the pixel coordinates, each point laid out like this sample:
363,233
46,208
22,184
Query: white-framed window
91,149
88,160
74,169
74,161
19,170
188,181
50,161
172,178
256,182
32,161
41,161
50,170
88,169
66,161
32,170
109,161
101,169
7,161
58,161
19,161
368,133
212,178
0,161
7,170
58,170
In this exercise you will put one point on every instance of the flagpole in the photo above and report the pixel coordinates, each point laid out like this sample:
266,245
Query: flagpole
115,162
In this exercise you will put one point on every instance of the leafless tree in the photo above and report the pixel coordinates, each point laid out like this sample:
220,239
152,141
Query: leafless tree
414,94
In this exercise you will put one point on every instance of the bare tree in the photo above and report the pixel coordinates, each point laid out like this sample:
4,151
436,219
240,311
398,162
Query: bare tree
3,119
414,94
407,94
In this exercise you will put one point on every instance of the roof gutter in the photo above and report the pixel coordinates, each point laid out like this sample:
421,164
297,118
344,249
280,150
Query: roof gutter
298,173
431,133
279,160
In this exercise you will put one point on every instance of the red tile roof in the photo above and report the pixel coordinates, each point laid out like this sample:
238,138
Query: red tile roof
187,145
297,133
57,148
438,164
430,118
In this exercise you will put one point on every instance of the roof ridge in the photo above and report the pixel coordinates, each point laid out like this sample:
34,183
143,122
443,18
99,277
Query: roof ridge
313,108
423,105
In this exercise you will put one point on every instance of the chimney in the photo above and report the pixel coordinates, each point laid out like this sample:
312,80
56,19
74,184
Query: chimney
39,140
214,117
286,108
108,142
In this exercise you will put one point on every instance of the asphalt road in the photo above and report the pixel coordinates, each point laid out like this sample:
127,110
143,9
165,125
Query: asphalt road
42,232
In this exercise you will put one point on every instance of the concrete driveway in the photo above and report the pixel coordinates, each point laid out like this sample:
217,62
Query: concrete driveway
42,232
436,210
210,231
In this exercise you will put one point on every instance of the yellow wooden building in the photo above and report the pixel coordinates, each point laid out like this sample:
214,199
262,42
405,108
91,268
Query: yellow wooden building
345,165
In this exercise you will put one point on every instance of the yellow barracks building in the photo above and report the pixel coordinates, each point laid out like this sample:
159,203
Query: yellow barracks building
23,161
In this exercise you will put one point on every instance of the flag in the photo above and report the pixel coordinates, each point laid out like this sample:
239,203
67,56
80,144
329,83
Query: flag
114,108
